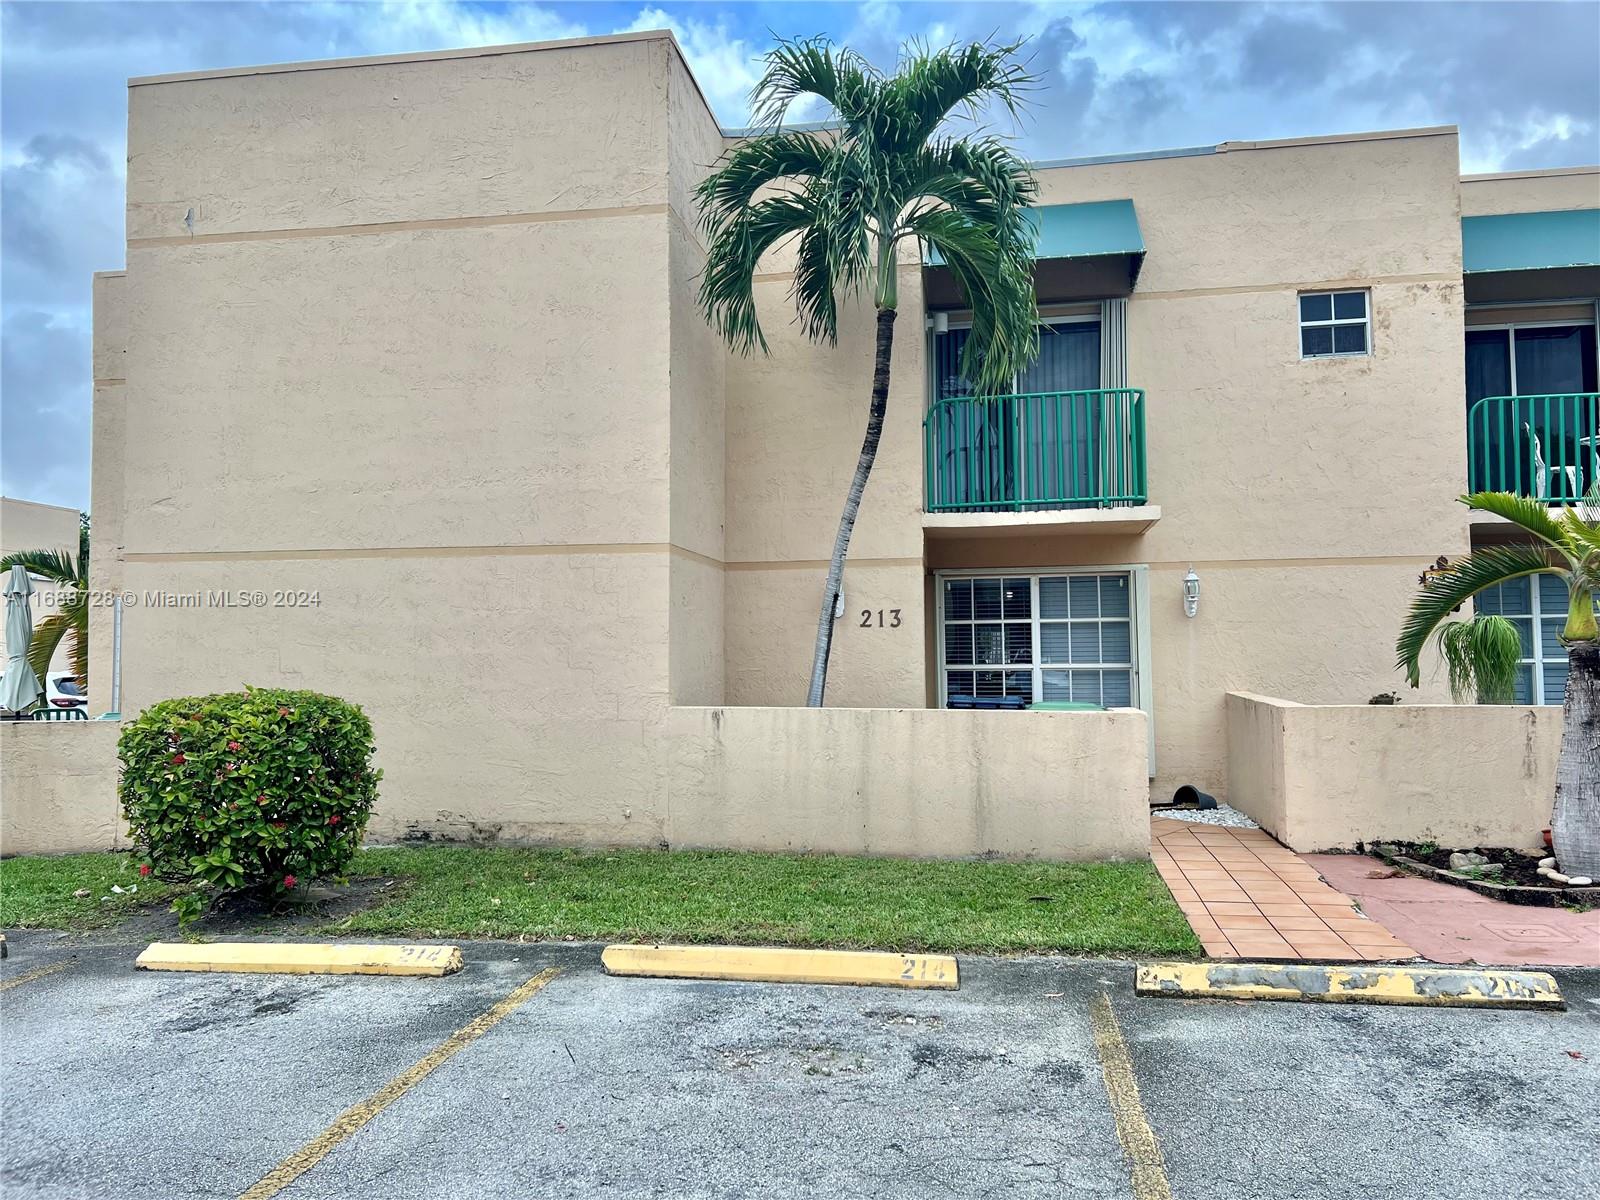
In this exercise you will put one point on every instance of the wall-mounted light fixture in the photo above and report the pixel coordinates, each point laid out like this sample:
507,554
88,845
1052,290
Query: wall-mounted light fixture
1191,593
941,322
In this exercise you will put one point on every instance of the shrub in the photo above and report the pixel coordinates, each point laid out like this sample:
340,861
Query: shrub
263,788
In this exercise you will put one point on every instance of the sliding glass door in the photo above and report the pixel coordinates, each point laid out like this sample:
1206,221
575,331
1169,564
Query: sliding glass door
986,447
1544,441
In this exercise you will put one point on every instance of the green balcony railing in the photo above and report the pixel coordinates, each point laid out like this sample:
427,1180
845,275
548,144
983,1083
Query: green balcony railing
1542,447
1039,451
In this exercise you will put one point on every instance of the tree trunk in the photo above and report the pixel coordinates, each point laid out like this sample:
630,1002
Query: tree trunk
852,505
1575,828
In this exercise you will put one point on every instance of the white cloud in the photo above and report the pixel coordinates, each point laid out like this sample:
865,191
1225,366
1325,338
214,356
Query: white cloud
398,26
725,66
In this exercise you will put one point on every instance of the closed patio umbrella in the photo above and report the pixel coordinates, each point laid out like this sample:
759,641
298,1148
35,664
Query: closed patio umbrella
21,687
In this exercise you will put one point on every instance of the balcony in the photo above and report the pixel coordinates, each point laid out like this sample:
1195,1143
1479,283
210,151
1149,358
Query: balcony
1048,460
1542,447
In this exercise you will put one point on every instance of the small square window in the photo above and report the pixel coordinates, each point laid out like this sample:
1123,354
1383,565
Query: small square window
1333,324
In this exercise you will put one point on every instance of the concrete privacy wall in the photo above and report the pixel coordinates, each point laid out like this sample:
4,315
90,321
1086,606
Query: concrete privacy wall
58,787
1325,777
926,782
915,782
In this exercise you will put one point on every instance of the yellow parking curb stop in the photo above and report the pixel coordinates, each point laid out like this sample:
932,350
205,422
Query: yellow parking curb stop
300,958
1441,987
773,965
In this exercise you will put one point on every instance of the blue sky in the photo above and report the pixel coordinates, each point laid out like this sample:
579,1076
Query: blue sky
1522,80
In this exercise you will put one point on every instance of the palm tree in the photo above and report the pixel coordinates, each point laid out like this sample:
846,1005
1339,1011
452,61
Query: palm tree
71,579
1483,656
888,169
1566,545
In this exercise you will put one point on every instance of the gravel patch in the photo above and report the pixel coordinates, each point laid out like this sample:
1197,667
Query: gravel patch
1221,815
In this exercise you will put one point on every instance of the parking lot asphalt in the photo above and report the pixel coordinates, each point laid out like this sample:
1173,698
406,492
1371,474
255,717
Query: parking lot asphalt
129,1084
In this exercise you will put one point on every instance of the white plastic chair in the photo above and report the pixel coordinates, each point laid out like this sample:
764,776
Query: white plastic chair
1542,473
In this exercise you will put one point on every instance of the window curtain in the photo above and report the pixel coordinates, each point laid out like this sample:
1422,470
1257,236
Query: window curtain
1028,453
1559,362
975,441
1492,429
1062,433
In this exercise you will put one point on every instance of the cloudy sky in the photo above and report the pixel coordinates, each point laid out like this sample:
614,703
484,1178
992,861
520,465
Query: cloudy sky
1520,79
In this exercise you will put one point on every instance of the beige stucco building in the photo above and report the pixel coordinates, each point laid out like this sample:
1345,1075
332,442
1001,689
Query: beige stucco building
403,396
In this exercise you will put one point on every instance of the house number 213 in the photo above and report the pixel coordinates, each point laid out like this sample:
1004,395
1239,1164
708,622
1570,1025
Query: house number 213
867,616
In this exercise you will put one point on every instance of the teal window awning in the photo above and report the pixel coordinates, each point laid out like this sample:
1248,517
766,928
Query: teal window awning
1538,241
1084,251
1089,230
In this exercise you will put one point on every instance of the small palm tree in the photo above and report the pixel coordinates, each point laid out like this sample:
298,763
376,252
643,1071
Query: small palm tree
1566,545
71,578
1483,656
887,171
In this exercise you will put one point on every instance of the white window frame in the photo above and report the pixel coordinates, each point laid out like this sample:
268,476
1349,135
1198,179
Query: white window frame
1333,322
1537,619
1143,684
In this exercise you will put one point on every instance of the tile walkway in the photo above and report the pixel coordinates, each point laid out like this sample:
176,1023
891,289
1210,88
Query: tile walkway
1248,897
1449,924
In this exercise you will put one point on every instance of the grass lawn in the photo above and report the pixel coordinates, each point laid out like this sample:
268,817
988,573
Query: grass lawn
795,900
38,892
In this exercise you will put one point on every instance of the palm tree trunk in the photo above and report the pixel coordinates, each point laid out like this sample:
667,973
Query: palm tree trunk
852,505
1575,828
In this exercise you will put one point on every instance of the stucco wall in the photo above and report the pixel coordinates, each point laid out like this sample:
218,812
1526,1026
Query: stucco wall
1530,191
796,418
1325,777
58,787
1306,494
107,497
923,782
696,402
437,388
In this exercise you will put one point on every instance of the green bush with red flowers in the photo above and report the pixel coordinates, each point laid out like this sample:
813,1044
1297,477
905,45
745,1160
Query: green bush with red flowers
264,789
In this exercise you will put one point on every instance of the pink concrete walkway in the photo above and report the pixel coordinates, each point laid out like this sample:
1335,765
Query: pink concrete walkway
1248,897
1449,924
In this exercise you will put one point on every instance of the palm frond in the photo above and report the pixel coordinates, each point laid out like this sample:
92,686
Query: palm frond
47,636
813,289
930,87
801,67
985,181
58,566
727,286
1532,515
1454,586
80,650
1580,535
851,195
997,282
757,163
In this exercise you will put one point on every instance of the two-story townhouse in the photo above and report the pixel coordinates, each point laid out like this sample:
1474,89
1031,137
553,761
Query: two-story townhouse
417,336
